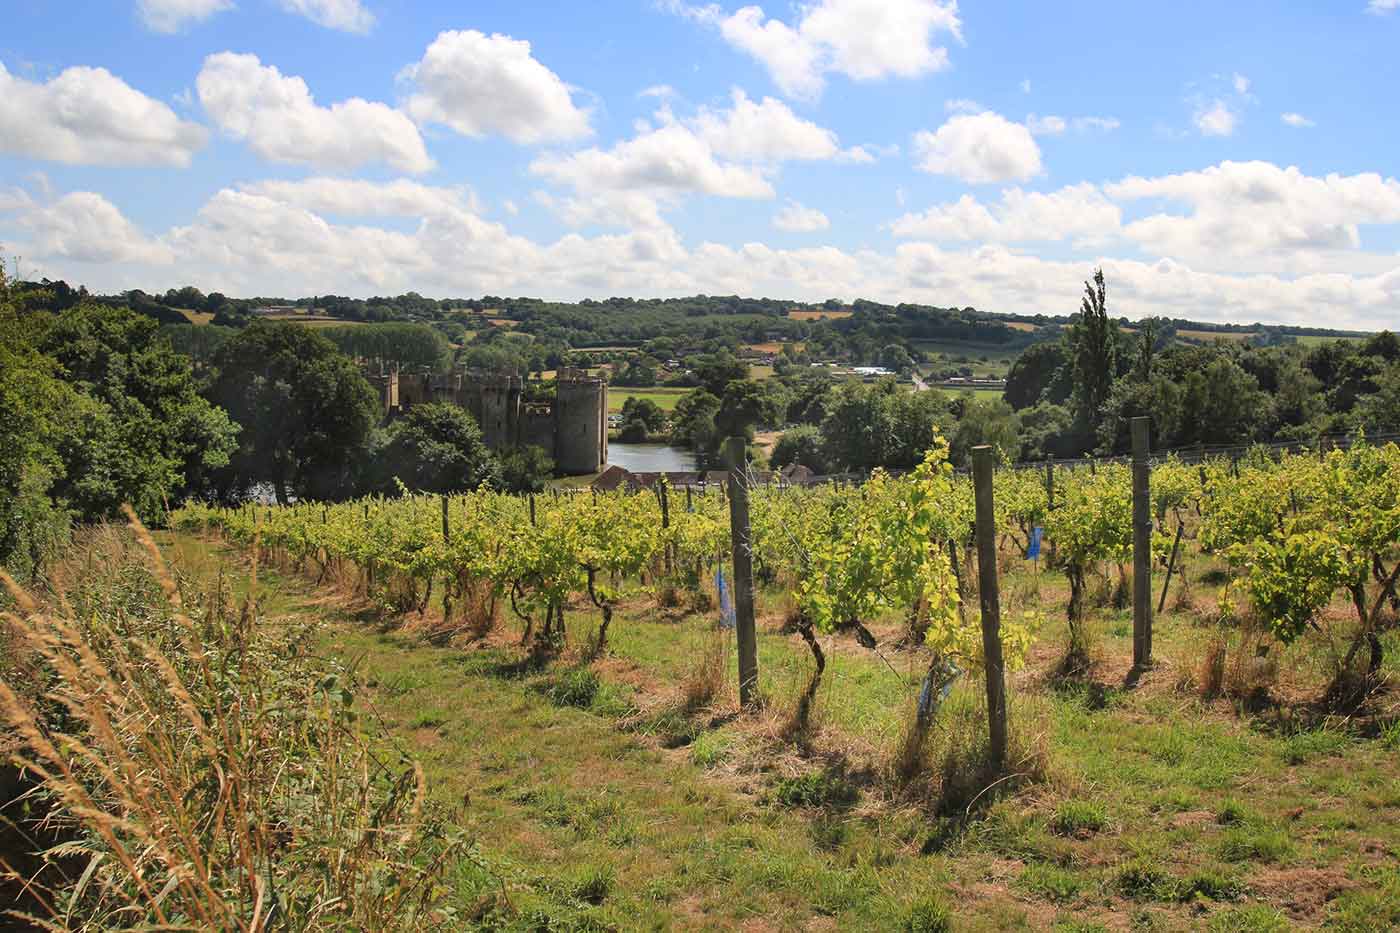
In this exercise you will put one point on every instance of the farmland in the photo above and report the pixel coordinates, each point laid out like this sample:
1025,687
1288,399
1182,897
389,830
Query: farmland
625,787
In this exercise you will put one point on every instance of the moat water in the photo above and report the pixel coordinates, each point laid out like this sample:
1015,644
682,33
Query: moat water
650,458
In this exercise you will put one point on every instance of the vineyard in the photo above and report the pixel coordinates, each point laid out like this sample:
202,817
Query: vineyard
1128,791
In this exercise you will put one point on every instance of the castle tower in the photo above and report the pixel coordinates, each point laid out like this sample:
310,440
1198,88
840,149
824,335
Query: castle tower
580,423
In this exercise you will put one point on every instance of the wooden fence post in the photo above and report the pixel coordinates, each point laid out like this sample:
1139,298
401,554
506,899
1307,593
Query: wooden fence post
532,509
1050,494
983,465
446,522
664,497
741,541
1142,543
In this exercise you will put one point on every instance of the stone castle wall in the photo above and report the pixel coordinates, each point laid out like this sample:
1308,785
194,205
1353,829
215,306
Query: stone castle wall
573,428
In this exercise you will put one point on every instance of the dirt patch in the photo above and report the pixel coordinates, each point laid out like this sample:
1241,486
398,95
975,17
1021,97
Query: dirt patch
1302,893
1192,818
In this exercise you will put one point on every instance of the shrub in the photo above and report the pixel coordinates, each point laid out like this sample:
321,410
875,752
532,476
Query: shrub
575,687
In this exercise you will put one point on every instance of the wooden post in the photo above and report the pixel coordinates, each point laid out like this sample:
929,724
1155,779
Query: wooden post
983,465
1171,565
1142,543
532,508
689,500
741,540
665,500
1050,495
446,523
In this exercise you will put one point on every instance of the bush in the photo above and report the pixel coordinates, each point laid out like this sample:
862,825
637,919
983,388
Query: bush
575,687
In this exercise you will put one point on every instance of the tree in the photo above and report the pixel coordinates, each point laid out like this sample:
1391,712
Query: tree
986,421
525,469
1034,373
895,357
1093,353
801,445
150,439
306,411
745,404
644,410
437,448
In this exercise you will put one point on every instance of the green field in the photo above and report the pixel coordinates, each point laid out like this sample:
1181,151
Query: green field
664,397
596,797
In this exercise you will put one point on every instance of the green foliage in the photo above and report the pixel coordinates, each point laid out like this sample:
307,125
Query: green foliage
801,445
814,789
575,687
1093,341
1078,818
525,469
407,345
928,915
435,447
305,409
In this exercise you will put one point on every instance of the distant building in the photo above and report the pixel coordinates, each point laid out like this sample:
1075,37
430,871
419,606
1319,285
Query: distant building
572,428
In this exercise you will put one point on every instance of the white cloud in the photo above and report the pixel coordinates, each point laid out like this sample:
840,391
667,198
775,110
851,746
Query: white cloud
1258,213
962,105
1215,118
862,39
83,227
265,240
482,85
670,159
1047,125
1241,84
280,120
173,15
347,197
794,218
979,149
346,15
1297,120
1026,86
88,116
765,130
1056,126
1381,7
1078,212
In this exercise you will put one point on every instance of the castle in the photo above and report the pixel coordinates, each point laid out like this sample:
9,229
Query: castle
572,429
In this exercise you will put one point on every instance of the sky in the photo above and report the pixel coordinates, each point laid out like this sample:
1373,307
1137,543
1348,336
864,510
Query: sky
1221,161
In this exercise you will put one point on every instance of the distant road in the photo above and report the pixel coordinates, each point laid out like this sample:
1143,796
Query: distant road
919,384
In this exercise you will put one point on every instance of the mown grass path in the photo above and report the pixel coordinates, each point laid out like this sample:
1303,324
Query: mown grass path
1161,813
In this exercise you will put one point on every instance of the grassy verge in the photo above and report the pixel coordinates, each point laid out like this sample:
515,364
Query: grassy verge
597,800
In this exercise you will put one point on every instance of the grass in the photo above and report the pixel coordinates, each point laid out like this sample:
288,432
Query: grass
664,397
595,800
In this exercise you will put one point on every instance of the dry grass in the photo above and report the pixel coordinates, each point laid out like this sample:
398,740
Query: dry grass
201,769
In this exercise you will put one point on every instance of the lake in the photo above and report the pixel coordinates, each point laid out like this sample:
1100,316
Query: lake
650,458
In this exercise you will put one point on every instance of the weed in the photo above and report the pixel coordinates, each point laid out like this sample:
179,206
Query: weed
928,915
1252,919
1050,882
593,884
1375,906
1079,818
1314,743
1211,883
709,749
1257,844
830,833
429,719
1144,880
575,687
1390,736
815,789
1231,813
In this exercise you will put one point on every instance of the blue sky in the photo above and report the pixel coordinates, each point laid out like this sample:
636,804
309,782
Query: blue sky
1221,161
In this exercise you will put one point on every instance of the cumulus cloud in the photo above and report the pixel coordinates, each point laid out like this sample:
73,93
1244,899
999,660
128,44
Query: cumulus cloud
280,120
88,116
863,39
1297,120
482,85
349,197
765,130
83,227
795,218
262,239
1381,7
979,149
1078,212
345,15
173,15
1257,211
